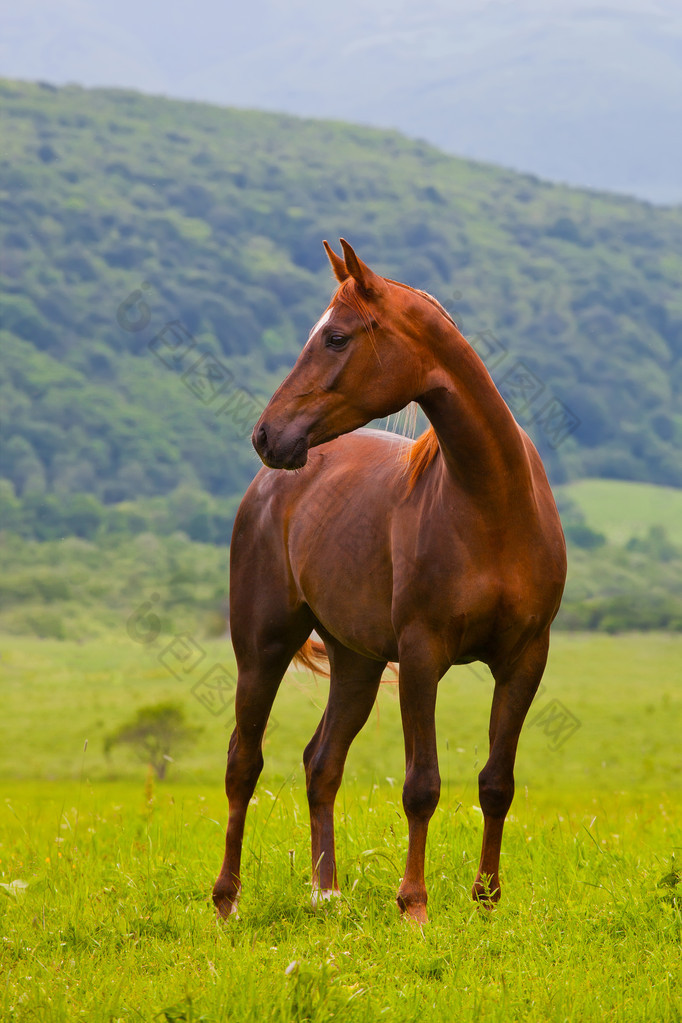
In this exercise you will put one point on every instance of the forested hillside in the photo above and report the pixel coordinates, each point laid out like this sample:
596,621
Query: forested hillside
162,265
578,92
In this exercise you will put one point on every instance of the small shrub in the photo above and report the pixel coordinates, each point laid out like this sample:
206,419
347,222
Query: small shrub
580,534
656,544
153,734
46,625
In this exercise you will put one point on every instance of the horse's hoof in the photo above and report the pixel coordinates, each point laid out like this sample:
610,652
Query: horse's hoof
321,895
415,917
413,913
226,905
482,893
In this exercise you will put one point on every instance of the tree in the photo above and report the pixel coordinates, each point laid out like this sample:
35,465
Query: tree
153,733
10,506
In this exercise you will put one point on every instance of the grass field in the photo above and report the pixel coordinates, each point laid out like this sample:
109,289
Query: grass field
106,877
620,509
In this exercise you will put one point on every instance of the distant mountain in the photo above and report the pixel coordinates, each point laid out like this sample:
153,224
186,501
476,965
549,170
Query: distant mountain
161,265
576,92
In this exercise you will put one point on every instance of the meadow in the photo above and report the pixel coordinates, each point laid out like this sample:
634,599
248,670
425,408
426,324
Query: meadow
106,873
621,509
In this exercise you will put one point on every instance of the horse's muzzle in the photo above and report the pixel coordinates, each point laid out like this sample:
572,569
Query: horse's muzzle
277,450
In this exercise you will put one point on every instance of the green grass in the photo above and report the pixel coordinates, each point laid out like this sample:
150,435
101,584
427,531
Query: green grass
621,509
115,922
624,691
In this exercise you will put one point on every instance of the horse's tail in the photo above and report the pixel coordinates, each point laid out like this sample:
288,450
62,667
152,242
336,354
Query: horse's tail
313,655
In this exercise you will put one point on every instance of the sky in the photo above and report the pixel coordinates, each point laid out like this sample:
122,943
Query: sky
578,92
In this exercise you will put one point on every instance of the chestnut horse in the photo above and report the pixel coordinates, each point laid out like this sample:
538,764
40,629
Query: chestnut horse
430,553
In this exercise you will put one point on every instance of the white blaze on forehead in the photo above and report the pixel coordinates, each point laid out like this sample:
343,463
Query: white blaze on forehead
321,322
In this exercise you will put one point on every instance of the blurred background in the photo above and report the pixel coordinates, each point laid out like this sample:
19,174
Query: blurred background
578,92
168,176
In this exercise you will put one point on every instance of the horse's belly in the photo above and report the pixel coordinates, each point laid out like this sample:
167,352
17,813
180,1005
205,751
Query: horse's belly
352,601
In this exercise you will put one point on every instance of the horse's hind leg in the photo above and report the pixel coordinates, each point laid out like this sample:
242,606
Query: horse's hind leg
354,681
262,661
515,687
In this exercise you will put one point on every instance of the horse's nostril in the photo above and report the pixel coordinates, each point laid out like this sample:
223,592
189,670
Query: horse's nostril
262,437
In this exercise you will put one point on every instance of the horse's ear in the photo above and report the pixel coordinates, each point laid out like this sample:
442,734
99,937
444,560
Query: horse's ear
338,265
368,281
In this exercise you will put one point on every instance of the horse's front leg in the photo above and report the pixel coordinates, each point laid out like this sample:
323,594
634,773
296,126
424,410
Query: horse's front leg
418,686
255,695
260,673
354,681
515,687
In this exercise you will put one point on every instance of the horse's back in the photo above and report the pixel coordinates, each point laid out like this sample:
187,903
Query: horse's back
344,470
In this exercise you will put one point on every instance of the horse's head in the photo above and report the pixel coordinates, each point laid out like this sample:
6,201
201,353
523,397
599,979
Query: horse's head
364,359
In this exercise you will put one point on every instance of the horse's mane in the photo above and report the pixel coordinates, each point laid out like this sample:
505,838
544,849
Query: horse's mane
419,455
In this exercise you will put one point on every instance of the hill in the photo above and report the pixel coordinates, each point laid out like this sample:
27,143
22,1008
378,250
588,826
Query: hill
621,510
161,266
577,92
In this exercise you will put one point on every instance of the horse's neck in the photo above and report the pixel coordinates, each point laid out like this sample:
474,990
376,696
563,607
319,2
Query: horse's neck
482,448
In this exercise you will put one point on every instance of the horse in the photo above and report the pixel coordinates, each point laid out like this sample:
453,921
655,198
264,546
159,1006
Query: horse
428,553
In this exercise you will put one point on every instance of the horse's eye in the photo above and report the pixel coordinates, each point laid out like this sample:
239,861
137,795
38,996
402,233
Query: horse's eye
337,341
